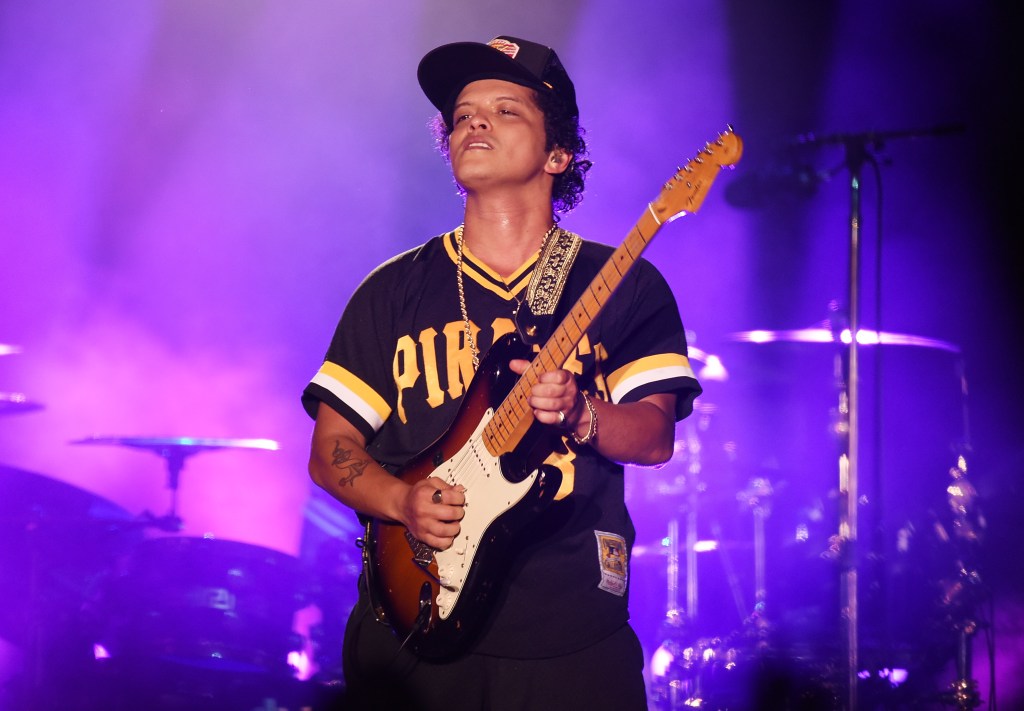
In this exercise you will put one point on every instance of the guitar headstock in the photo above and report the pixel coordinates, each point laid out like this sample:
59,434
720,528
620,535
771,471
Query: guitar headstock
685,191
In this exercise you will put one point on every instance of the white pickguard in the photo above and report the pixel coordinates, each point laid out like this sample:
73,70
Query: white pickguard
488,495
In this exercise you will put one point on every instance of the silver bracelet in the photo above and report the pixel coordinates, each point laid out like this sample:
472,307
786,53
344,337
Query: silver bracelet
592,429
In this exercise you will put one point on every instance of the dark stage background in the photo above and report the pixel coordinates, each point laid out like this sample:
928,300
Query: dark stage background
191,190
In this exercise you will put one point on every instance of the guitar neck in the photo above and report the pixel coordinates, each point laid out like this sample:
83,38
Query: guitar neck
682,194
514,416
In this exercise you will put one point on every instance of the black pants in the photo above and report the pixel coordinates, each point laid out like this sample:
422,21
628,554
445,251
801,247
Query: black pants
606,675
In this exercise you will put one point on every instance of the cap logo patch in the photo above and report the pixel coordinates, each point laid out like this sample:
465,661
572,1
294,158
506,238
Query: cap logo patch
504,46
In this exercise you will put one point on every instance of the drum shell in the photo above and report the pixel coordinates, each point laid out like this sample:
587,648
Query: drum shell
58,545
205,602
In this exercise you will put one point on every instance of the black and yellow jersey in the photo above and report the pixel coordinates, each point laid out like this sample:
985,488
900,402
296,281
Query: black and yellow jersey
399,364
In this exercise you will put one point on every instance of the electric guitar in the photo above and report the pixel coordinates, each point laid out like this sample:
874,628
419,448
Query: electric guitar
437,601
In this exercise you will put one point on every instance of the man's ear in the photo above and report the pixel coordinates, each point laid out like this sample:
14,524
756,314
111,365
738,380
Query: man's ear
558,161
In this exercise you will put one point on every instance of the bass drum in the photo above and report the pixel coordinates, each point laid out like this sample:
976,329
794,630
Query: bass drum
206,602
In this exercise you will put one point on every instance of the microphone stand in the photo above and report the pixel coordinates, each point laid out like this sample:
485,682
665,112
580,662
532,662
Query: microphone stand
849,463
856,147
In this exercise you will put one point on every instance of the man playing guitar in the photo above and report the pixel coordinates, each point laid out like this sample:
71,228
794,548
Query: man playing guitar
506,610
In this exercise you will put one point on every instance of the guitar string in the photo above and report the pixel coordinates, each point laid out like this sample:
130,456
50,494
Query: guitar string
468,473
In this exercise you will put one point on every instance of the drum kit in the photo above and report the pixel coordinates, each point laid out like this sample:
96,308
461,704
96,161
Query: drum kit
112,610
740,557
740,552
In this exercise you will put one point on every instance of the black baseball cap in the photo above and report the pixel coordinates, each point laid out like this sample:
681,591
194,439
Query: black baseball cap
446,71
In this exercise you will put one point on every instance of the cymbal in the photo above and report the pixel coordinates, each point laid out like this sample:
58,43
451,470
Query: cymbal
166,446
175,450
17,404
865,337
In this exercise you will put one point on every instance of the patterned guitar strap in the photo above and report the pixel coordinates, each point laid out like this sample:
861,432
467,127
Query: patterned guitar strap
546,285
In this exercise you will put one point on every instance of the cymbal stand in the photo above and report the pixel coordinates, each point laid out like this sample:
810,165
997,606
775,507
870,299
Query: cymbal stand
686,691
672,611
757,496
175,458
962,596
693,486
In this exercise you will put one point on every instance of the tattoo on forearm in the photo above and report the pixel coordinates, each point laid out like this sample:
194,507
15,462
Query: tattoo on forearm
352,468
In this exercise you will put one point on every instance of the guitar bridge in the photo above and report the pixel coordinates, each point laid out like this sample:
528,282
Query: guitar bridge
422,554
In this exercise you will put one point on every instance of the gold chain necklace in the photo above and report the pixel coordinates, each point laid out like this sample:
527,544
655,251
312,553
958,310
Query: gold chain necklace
470,339
462,301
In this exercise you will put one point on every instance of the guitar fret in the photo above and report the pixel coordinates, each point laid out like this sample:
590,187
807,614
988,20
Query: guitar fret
499,431
541,365
565,344
568,344
519,406
502,429
624,259
589,305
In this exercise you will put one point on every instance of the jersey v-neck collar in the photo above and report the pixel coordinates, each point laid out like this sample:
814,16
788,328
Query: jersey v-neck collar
508,289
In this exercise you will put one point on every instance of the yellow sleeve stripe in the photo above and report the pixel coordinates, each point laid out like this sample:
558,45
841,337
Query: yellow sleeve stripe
354,393
667,366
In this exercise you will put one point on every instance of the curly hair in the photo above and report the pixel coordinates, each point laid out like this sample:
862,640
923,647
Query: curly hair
561,129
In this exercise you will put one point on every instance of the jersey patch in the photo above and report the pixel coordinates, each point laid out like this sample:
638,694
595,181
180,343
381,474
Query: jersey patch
612,558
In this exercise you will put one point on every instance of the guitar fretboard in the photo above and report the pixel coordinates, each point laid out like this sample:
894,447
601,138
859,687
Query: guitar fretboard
514,415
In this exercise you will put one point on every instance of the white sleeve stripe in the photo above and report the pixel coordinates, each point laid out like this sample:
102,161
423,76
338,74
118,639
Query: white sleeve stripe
627,385
348,397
